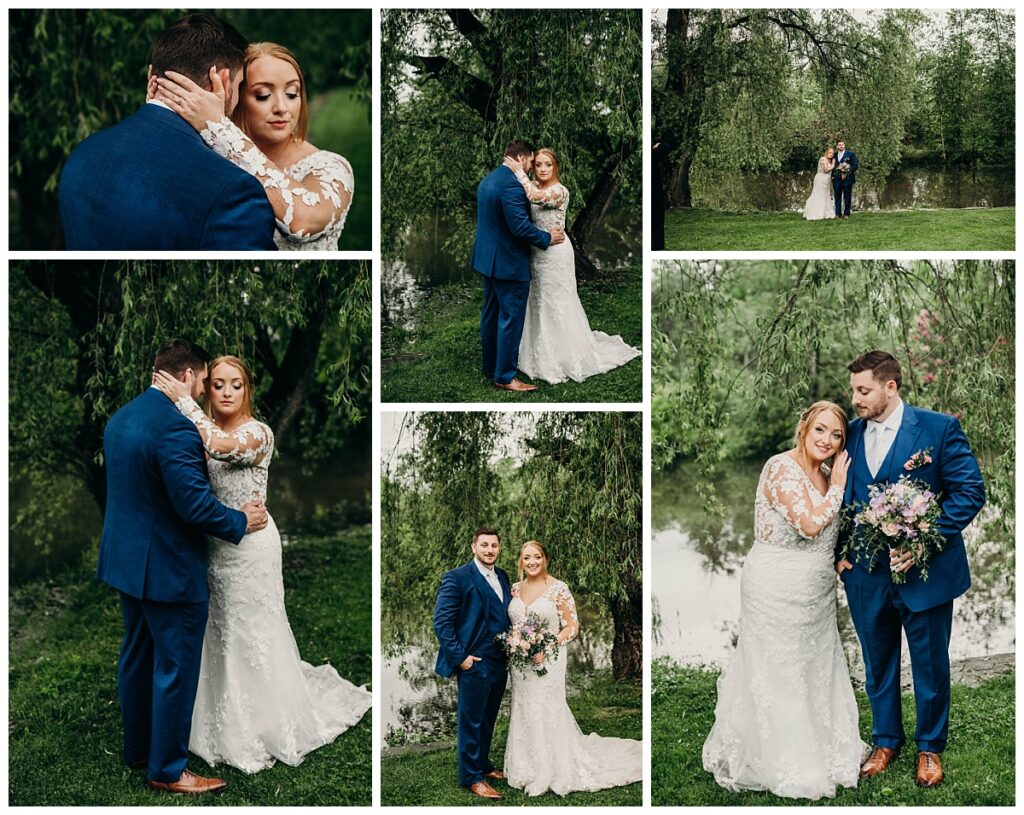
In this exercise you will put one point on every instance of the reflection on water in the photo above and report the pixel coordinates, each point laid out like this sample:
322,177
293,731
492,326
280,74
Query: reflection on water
909,188
697,562
330,496
423,263
418,706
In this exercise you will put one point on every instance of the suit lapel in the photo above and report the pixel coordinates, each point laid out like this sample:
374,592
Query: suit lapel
856,450
482,585
903,445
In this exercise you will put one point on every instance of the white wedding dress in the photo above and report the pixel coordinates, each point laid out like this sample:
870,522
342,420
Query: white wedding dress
820,205
786,719
322,181
546,750
558,343
258,702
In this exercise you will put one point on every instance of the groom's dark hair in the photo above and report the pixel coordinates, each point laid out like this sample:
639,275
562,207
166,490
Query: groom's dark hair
883,366
195,43
485,530
178,356
514,149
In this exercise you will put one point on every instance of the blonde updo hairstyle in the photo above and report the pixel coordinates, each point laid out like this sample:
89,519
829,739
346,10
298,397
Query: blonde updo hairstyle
807,419
543,551
235,362
271,49
547,151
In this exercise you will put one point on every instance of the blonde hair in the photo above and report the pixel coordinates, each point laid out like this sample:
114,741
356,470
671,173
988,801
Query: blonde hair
272,49
807,418
544,553
246,382
547,151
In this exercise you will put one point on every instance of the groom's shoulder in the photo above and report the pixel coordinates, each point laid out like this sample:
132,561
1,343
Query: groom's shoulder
931,416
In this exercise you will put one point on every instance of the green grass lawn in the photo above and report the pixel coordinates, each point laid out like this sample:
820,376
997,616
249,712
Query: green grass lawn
65,725
979,759
341,124
430,778
439,359
910,230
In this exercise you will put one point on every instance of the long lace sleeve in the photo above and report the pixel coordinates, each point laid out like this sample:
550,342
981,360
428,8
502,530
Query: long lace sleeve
305,207
248,444
566,613
805,509
824,165
554,197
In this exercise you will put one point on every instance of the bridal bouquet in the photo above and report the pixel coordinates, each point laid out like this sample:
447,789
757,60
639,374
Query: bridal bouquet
844,169
524,641
903,517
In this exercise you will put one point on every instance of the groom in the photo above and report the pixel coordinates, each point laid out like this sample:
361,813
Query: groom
501,255
150,182
842,186
153,551
471,609
890,439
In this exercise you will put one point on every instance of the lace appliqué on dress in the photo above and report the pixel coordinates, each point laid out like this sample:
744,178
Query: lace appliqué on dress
318,187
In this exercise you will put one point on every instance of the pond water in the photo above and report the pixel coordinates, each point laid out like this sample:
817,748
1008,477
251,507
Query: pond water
906,188
418,706
696,591
330,495
424,264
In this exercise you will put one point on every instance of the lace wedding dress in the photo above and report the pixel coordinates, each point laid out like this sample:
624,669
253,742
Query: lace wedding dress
786,718
317,189
546,750
558,343
258,701
820,205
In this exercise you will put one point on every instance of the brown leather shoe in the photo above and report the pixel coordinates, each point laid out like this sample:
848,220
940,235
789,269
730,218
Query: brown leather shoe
497,775
929,769
484,790
515,385
191,784
878,761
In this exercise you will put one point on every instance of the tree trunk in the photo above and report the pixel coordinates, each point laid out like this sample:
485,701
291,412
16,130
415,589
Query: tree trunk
628,644
679,186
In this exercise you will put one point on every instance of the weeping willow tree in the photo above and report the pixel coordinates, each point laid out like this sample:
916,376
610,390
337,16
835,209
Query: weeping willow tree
575,484
741,348
740,90
83,335
457,85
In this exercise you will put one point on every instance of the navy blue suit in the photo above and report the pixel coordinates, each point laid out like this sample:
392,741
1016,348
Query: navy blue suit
501,254
842,189
467,617
151,183
922,608
153,551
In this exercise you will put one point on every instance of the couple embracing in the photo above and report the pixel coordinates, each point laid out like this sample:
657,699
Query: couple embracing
208,662
532,319
786,718
546,750
832,188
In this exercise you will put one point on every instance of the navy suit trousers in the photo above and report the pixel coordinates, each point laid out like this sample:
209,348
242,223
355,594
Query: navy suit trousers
480,692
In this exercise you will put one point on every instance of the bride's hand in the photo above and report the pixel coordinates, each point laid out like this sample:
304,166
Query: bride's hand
538,659
175,389
840,468
513,165
193,104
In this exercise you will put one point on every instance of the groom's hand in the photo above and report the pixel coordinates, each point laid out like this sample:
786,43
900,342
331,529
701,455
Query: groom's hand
843,565
557,235
255,516
467,663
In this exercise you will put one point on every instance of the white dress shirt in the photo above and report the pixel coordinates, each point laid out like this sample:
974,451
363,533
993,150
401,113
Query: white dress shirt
492,578
880,436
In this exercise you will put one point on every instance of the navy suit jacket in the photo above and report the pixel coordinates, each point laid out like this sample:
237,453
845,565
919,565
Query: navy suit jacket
151,183
851,157
160,507
468,615
953,474
504,231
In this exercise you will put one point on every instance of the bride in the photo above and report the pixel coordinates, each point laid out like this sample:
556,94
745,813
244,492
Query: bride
557,342
820,206
258,702
546,750
786,719
310,190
